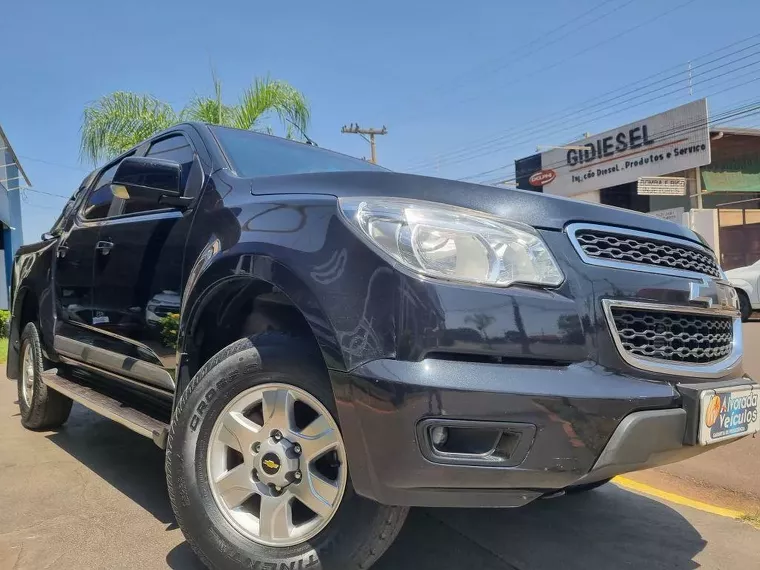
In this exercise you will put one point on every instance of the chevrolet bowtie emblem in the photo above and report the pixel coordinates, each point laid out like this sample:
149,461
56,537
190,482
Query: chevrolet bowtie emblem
695,293
271,464
709,293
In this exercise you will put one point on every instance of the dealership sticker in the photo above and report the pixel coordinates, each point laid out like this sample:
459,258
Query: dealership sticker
729,414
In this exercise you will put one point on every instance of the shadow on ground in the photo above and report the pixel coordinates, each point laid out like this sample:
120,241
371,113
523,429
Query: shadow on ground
606,528
129,462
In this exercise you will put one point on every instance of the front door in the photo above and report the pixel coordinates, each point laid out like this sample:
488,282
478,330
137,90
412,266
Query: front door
138,280
74,270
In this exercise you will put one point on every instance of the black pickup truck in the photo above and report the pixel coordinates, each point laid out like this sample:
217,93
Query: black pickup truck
319,343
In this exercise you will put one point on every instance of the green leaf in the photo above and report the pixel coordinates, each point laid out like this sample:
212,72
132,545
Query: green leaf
117,122
267,96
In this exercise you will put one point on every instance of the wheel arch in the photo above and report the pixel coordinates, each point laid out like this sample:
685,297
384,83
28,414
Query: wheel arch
25,309
244,295
746,287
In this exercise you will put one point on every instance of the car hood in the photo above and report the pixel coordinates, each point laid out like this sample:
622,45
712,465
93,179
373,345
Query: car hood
749,272
533,208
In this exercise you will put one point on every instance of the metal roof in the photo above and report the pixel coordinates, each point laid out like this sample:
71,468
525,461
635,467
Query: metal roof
735,131
6,146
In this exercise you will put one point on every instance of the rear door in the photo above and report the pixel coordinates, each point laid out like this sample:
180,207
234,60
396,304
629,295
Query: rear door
138,277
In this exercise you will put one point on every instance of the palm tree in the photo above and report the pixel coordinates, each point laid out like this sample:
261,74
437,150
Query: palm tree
481,321
117,122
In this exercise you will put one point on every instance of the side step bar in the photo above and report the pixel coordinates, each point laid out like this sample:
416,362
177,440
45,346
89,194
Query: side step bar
106,406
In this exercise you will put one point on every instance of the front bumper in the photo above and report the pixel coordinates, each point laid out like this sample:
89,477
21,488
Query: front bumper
576,424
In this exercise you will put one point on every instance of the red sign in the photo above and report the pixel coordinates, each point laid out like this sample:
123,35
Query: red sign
542,177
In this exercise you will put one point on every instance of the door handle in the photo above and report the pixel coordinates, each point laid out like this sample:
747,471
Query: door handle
104,247
63,250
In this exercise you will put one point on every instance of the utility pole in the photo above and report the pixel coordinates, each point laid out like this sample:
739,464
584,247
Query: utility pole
355,129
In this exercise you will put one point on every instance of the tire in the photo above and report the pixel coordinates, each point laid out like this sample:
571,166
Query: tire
577,489
355,535
41,407
745,308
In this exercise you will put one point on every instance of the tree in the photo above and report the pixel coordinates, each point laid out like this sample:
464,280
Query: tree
115,123
481,321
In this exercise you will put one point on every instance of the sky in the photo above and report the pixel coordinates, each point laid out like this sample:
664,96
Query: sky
464,88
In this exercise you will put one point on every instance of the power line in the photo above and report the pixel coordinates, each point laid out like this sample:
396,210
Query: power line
746,110
743,111
578,124
45,193
50,163
588,117
581,52
553,128
602,100
541,40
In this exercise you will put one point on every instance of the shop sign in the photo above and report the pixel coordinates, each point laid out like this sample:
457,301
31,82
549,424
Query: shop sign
673,141
661,186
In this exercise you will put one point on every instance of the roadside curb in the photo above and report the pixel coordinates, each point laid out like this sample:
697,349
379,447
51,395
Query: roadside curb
632,485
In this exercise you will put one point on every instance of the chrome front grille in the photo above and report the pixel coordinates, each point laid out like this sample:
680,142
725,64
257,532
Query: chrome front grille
601,245
674,337
686,341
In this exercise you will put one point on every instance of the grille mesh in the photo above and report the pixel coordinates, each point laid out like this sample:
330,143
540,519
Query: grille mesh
675,337
626,249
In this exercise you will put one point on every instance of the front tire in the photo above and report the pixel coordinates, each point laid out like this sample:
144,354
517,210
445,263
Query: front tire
745,308
41,408
256,468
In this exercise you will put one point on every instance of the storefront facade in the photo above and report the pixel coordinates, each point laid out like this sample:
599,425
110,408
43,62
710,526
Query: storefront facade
719,171
12,179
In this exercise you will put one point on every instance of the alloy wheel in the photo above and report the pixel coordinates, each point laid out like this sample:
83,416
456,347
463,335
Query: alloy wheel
276,464
27,374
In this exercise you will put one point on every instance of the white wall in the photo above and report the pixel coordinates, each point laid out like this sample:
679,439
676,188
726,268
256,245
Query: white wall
592,196
705,223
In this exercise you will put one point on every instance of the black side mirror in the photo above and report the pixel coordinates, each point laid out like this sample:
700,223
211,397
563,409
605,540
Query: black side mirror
148,178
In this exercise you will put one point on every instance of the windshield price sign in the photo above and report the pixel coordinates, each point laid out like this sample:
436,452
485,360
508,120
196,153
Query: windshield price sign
661,186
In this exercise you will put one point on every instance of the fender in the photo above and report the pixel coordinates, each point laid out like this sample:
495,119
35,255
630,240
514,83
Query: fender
298,245
32,275
745,286
214,269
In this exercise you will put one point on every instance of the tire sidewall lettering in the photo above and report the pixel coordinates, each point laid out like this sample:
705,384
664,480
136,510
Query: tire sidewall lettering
206,401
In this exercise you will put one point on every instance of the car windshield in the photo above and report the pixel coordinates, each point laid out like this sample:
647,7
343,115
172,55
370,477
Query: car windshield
256,154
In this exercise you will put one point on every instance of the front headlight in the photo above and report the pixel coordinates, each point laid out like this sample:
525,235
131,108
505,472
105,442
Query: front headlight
452,243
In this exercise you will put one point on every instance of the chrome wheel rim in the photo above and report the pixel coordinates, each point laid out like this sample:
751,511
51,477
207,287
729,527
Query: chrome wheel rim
27,374
276,464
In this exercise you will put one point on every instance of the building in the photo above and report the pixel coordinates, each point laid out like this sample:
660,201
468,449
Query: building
12,179
710,176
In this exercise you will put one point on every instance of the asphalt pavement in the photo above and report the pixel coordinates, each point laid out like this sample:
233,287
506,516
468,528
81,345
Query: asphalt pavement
92,495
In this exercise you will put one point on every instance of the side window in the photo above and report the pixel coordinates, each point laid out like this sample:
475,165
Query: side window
99,200
175,147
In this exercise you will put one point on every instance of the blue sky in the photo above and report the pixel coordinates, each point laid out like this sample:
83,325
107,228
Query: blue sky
443,76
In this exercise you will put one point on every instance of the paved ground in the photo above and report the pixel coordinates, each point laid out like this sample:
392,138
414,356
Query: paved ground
93,496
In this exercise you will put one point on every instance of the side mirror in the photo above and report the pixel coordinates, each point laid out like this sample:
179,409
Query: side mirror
47,236
148,178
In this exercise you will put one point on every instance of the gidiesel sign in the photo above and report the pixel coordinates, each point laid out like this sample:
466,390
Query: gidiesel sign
634,138
670,142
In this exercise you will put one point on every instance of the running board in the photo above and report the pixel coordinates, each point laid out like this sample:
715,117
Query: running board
108,407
